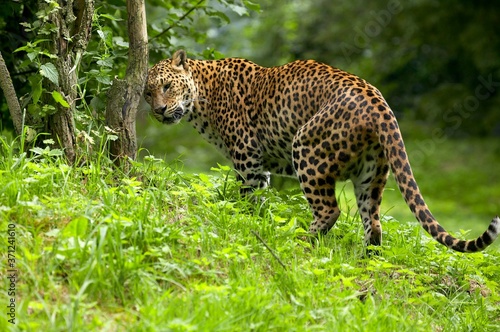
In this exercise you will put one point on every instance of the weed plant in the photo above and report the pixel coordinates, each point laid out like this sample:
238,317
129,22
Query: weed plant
161,250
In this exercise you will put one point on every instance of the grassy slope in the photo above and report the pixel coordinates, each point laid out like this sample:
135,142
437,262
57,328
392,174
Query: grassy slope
169,251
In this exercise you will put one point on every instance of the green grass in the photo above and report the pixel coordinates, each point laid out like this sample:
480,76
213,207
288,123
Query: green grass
163,250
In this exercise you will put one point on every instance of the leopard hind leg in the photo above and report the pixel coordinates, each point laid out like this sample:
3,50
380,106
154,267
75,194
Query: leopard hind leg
318,186
369,182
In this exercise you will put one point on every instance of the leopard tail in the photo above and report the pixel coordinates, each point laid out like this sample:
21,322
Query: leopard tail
395,152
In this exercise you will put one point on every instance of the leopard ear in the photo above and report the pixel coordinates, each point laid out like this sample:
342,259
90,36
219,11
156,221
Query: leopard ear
179,61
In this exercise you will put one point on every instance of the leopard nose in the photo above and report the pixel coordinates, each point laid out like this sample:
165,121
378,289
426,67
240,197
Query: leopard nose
161,110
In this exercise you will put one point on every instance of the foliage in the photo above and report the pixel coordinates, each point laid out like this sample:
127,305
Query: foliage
13,36
158,249
176,24
106,55
36,52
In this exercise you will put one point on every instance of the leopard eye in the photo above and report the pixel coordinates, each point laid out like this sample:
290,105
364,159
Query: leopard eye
166,87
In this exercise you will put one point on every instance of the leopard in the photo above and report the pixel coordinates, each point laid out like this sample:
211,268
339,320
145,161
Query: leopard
304,119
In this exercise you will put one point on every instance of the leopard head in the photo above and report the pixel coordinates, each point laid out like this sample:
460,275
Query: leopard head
170,89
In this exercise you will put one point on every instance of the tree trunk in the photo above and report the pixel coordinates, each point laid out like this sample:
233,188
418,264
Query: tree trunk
124,95
74,24
10,94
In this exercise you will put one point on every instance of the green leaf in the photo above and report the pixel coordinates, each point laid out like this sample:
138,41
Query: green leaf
49,71
76,228
60,99
106,34
105,62
49,141
38,41
36,87
26,25
110,17
32,55
120,42
24,48
220,15
104,79
48,54
252,6
55,152
37,150
47,110
240,10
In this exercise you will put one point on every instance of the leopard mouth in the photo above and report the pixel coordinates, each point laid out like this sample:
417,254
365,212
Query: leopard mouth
171,118
175,117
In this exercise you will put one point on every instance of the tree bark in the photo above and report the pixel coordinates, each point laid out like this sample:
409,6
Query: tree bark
74,24
124,95
10,94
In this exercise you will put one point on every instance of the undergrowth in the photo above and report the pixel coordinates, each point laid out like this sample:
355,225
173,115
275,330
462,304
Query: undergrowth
158,249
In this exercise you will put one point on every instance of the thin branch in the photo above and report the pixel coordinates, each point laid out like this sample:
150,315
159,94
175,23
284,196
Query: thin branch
10,94
268,248
178,21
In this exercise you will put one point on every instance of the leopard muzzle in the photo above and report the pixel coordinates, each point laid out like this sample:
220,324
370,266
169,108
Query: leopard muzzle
169,117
